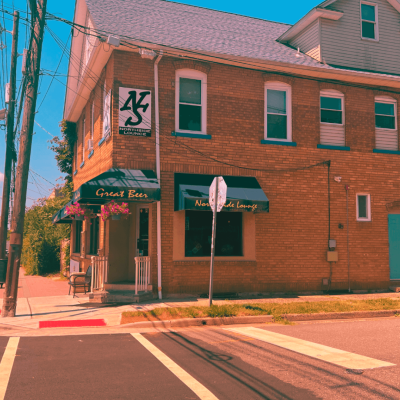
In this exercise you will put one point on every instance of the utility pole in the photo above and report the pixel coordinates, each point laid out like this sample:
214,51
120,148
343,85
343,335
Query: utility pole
10,152
21,181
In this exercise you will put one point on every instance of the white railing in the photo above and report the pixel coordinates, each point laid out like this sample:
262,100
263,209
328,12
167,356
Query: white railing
99,272
142,275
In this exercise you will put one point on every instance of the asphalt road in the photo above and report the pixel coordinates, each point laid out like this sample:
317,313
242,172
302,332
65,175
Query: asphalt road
218,363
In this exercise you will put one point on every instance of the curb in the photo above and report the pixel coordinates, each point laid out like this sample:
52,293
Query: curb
184,322
259,319
340,315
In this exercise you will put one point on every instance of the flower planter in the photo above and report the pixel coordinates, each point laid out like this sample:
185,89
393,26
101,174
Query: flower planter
115,217
79,217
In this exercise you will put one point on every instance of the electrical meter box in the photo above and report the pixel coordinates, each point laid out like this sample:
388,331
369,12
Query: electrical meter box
332,256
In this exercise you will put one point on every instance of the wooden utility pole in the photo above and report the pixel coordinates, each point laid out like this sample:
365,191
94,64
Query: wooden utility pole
21,181
10,152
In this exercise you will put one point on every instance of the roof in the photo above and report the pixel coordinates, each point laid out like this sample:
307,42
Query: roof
196,29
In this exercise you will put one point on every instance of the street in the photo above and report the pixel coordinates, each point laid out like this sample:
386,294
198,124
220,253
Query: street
207,363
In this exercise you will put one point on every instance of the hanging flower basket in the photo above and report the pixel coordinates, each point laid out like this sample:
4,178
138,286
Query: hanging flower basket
75,211
114,211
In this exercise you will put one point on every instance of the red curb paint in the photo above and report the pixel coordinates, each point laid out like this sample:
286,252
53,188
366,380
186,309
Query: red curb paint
72,323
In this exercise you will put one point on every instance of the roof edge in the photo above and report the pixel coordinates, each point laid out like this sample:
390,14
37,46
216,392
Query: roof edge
309,18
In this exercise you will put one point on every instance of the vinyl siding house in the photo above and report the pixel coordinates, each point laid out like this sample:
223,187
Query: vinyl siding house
301,121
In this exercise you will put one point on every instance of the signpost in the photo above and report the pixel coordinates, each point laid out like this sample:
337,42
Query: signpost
217,200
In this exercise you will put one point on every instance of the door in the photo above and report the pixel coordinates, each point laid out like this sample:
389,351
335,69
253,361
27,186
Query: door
142,231
394,245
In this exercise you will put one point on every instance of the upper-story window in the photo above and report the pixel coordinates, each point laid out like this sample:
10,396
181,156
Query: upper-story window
106,111
278,111
83,138
386,133
191,101
369,21
92,122
332,118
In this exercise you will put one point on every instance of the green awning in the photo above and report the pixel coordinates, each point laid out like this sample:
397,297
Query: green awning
244,193
127,185
61,217
120,185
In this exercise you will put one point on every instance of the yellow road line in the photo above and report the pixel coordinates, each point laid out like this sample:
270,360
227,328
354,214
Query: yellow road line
202,392
329,354
7,363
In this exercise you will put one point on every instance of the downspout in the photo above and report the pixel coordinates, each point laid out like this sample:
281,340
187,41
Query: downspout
158,169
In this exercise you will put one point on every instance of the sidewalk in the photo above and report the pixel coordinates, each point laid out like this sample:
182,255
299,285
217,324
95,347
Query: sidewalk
43,299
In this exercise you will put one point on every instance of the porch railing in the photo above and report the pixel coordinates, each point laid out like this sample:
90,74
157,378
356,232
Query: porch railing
142,275
99,272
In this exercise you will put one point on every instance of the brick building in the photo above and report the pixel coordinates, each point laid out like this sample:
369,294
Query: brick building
166,96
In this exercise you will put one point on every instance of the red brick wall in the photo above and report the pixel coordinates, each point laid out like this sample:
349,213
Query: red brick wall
291,240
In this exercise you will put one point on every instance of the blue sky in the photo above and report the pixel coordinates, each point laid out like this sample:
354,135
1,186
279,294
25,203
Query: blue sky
51,110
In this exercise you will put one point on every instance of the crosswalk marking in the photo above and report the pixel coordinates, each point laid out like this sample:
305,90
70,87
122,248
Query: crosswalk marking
7,363
329,354
201,391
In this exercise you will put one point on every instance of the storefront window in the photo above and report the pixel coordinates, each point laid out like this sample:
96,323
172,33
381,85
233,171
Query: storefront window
78,231
198,230
94,236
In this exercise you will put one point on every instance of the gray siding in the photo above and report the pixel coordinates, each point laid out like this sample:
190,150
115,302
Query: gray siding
308,41
341,42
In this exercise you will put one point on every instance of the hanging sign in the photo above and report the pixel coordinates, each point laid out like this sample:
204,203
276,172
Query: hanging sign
134,112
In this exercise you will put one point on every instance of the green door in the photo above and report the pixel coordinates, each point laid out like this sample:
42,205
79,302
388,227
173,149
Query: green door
394,245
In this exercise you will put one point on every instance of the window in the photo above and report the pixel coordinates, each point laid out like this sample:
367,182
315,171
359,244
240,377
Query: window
191,102
278,103
385,115
198,231
76,156
78,231
94,236
363,207
331,108
83,138
92,122
369,19
106,111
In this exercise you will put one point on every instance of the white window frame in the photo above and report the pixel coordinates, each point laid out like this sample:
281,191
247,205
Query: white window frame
334,94
92,122
284,87
105,94
83,138
192,74
387,100
368,3
368,218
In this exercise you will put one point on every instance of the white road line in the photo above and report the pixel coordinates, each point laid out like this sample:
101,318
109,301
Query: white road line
319,351
7,363
188,380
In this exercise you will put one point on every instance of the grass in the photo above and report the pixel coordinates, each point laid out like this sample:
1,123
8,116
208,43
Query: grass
274,309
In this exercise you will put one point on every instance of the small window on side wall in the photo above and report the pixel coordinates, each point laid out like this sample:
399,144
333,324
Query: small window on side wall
369,21
191,102
363,207
278,111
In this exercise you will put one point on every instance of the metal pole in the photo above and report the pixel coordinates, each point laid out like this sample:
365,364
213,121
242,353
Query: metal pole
21,183
214,227
348,245
10,152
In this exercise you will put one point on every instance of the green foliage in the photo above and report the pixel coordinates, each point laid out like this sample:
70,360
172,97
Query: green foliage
67,257
64,148
41,247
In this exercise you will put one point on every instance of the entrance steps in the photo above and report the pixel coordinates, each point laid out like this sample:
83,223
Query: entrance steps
124,286
119,296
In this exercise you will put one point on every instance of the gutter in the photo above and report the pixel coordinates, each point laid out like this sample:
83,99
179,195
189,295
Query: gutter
158,169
